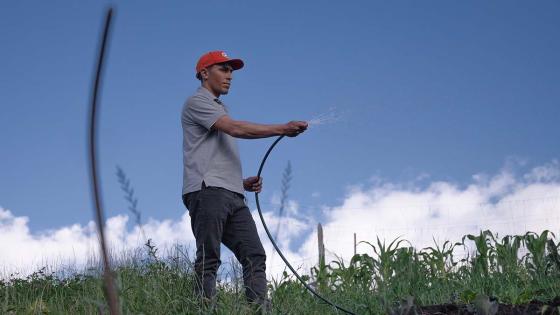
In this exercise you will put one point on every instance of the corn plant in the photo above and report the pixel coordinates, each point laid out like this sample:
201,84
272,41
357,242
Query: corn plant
536,262
481,260
506,253
440,259
554,256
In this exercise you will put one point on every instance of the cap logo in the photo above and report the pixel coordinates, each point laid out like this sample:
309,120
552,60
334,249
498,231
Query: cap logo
224,54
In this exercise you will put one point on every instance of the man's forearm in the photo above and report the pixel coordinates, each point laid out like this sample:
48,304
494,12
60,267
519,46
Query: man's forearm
249,130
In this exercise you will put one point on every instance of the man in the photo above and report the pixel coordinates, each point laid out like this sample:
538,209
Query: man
213,187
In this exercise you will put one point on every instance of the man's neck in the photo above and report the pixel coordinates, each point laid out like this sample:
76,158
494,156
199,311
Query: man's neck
217,95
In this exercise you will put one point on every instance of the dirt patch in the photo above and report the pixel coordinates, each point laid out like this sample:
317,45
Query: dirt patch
534,307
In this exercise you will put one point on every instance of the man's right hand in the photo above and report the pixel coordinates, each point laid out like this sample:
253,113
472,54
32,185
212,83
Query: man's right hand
294,128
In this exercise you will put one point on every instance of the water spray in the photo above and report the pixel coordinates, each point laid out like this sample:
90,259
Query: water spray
272,239
332,115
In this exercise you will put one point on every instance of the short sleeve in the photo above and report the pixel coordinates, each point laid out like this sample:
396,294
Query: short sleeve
204,111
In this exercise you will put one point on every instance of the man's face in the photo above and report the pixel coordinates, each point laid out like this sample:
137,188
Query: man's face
218,78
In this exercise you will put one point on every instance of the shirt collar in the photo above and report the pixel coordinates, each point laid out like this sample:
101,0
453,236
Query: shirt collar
204,91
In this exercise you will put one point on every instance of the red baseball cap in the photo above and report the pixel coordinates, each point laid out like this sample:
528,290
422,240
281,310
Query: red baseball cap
215,57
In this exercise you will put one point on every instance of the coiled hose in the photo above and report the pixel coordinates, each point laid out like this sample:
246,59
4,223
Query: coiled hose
276,246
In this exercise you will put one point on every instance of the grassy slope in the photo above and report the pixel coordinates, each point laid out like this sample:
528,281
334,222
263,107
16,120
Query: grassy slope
367,285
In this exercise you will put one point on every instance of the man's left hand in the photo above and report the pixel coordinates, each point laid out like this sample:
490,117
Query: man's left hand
253,184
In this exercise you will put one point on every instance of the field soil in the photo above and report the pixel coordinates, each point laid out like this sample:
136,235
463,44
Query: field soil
534,307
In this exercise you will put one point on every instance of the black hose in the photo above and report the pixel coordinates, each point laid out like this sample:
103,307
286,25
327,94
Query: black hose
276,246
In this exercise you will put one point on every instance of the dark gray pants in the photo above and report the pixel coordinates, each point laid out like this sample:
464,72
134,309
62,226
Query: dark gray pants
221,216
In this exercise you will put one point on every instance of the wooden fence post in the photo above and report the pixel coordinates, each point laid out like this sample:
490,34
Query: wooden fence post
321,246
355,244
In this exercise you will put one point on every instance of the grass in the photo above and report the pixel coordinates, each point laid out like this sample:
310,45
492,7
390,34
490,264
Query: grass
393,276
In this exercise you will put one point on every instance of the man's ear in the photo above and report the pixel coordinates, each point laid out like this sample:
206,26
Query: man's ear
204,74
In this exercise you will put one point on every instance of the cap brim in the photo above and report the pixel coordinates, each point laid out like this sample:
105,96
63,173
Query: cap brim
236,64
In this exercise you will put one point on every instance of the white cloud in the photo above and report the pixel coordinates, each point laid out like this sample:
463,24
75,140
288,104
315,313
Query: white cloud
545,173
503,202
24,252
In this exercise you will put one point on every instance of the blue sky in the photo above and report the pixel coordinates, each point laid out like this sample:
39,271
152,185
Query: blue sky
425,92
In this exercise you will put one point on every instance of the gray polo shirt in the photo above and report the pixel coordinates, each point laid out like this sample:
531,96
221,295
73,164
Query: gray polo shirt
209,155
